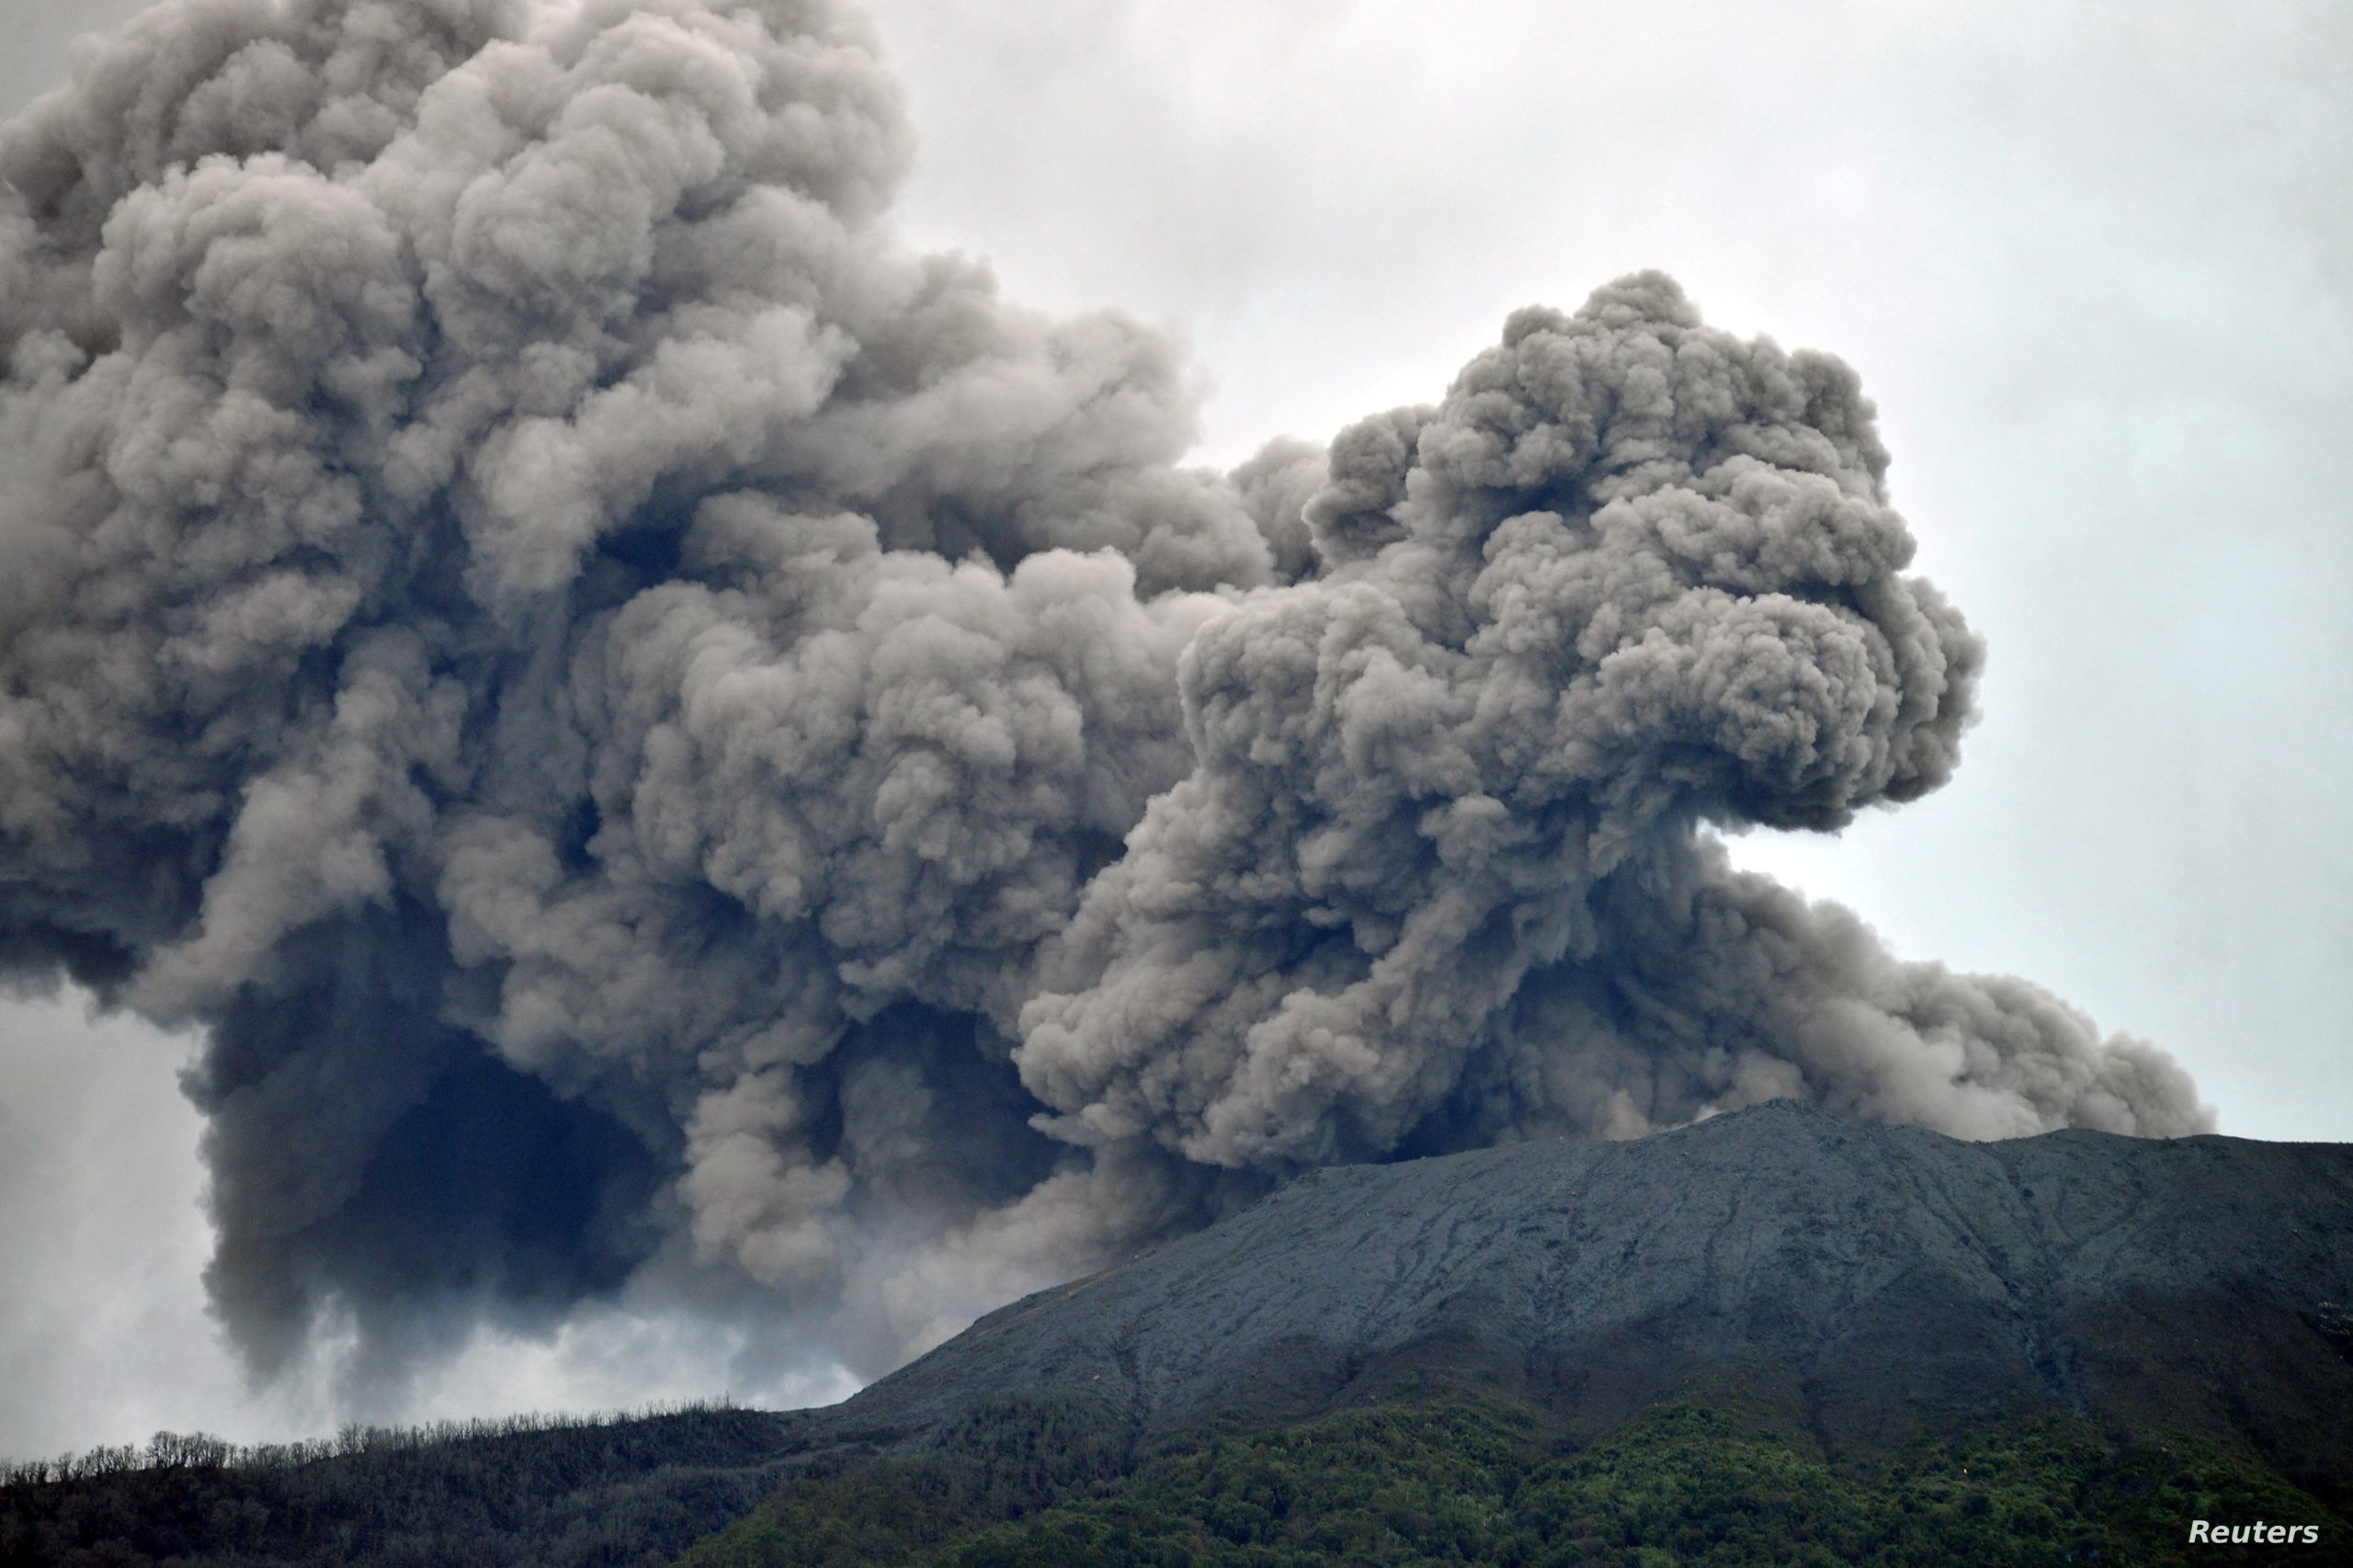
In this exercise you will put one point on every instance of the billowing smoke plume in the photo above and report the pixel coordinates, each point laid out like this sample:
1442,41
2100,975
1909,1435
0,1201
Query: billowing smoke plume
658,732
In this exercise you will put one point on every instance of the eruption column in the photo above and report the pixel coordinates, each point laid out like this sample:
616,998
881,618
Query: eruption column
666,739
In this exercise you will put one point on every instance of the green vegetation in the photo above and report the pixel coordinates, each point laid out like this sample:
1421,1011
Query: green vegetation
1056,1482
1003,1460
620,1489
1471,1482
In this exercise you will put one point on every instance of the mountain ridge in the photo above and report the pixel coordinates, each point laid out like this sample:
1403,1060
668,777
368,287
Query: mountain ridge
1879,1280
1754,1335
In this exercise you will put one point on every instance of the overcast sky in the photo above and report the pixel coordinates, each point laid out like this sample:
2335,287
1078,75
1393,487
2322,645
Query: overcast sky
2094,263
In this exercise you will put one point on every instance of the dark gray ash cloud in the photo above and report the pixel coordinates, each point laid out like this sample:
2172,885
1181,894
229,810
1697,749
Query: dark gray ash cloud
664,735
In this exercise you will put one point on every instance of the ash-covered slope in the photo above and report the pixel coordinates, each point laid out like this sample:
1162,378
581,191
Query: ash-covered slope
1880,1279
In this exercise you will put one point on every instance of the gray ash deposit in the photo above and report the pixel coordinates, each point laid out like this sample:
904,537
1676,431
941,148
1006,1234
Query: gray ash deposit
1877,1282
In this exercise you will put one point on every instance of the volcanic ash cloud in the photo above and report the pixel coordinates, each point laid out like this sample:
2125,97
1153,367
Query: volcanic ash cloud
665,738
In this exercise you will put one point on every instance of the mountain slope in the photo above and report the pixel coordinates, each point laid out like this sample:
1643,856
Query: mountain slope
1440,1482
1775,1333
1881,1280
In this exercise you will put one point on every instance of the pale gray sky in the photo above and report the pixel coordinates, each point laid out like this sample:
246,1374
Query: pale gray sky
2094,262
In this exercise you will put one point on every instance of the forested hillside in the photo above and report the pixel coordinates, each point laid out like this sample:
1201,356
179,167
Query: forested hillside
602,1493
1451,1480
1776,1337
1441,1474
